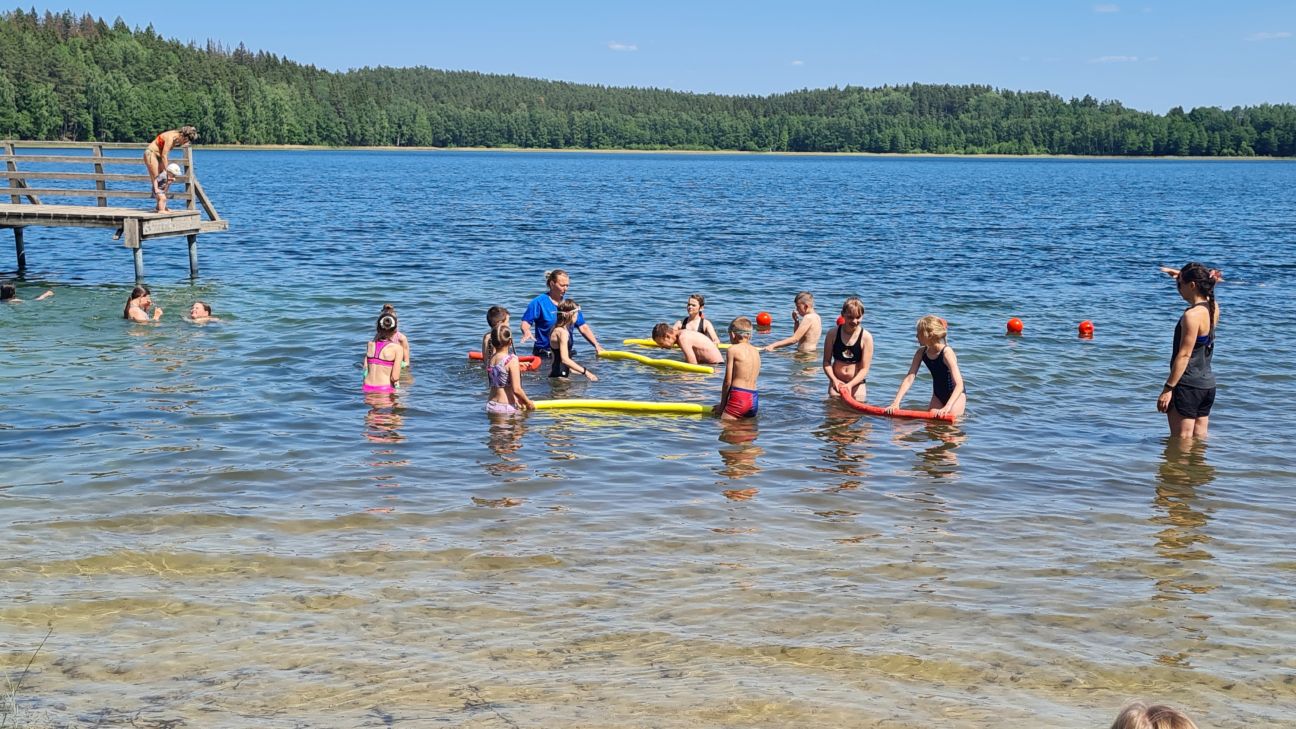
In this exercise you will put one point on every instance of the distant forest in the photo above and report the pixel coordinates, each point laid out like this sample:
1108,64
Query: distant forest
64,77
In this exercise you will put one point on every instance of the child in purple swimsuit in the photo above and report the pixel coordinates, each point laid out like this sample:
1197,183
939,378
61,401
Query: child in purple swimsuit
505,376
383,357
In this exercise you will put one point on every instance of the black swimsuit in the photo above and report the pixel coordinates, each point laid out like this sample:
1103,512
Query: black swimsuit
848,353
558,369
942,377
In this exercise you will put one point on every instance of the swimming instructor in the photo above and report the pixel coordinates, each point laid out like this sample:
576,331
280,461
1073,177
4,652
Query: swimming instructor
542,314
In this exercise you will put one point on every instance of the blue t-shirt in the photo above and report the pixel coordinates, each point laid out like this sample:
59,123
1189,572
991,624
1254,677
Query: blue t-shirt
542,314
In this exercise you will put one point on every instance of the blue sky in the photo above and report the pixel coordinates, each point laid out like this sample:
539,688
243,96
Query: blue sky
1149,55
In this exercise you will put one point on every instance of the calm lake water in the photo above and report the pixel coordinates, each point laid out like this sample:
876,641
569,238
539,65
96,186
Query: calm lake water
215,529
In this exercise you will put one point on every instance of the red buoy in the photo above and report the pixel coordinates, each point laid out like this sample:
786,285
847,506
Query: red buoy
1086,329
1015,326
841,320
764,319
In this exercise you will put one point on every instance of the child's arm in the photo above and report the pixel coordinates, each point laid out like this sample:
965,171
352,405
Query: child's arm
563,346
907,382
396,366
802,329
690,356
728,382
515,377
710,330
952,361
45,295
404,342
828,359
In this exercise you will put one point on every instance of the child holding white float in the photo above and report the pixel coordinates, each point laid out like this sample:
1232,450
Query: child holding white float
948,395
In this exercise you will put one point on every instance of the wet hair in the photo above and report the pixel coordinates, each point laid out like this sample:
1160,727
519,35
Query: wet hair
660,331
805,297
566,312
501,338
551,276
853,307
1200,276
7,291
1139,715
701,301
933,326
137,292
495,315
741,328
206,306
386,326
189,133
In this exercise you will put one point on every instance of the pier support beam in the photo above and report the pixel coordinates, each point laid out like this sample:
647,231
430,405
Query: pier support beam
139,264
193,256
131,239
20,249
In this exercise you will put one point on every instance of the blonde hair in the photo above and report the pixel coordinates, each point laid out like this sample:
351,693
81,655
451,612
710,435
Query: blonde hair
1139,715
805,297
853,306
567,313
741,328
933,326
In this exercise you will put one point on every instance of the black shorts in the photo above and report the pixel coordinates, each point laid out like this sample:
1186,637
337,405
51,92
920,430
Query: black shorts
1192,402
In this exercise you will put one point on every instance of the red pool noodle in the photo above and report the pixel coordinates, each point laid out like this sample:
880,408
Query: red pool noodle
875,410
528,362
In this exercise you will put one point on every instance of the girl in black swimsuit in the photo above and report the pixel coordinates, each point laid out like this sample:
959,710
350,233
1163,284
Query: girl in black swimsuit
948,394
848,352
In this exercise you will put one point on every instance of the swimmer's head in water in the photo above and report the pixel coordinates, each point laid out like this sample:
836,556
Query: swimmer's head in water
7,291
664,335
386,327
200,310
740,329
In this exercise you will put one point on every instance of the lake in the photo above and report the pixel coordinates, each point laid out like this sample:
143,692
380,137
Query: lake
214,528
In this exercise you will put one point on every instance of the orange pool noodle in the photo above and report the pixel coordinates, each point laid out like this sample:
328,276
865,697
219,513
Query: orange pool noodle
528,362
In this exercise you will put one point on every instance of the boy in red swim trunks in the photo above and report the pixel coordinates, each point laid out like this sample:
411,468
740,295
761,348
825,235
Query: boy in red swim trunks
739,399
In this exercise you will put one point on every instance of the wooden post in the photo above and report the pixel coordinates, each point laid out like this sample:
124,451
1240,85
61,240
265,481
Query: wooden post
189,186
193,255
97,150
20,249
131,239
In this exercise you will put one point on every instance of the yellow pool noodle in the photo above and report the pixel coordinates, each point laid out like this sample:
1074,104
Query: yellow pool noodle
665,364
629,406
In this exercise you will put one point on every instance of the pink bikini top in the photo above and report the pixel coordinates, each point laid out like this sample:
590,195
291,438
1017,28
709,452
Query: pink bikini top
378,348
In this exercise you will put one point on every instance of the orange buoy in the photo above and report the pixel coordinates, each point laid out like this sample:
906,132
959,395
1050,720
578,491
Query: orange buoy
841,320
1086,329
1015,326
764,319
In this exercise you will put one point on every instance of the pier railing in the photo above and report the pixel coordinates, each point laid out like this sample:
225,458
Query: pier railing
36,174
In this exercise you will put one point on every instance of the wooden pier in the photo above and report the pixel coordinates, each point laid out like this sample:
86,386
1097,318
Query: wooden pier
134,225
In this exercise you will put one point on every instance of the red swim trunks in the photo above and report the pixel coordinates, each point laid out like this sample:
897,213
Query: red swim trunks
742,403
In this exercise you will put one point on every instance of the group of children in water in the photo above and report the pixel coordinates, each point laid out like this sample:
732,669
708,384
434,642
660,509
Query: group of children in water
848,352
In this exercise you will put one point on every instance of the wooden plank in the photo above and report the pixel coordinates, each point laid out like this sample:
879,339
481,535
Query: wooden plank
214,226
171,225
17,181
100,184
95,176
33,144
206,204
61,192
72,159
131,233
189,181
88,210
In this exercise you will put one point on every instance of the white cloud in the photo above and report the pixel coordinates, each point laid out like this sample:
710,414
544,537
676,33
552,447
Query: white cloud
1269,36
798,63
623,47
1106,8
1114,59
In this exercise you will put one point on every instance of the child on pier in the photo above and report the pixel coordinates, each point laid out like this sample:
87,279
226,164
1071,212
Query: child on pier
948,396
383,357
162,182
697,347
848,353
560,343
806,326
739,398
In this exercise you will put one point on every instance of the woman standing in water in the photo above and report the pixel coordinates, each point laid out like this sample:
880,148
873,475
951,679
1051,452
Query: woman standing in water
542,314
1189,391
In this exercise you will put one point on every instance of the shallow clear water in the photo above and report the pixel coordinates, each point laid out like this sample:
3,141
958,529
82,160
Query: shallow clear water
215,527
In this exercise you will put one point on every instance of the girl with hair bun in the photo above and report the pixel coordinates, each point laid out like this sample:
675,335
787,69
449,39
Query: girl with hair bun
1189,392
383,356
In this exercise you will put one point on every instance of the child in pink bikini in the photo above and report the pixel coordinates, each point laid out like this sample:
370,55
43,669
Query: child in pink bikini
505,375
383,357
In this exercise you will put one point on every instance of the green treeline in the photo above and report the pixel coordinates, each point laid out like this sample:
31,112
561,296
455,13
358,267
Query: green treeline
79,78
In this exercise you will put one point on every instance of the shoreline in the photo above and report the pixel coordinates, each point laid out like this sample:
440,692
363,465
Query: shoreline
734,152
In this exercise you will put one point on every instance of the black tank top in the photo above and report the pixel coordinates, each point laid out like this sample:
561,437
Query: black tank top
557,368
844,353
942,377
1198,373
